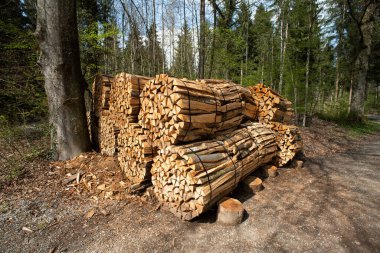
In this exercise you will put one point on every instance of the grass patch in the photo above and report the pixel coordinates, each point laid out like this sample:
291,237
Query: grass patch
366,127
354,128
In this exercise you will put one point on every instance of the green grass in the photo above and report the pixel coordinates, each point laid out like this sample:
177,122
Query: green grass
355,128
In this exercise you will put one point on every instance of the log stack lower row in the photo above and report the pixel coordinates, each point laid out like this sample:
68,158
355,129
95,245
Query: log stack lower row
189,179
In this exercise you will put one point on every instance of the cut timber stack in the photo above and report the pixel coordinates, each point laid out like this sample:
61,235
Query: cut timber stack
271,105
288,140
178,110
107,135
135,153
124,101
99,114
189,179
123,107
101,90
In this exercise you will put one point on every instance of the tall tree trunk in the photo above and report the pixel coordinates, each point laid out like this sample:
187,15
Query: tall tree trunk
308,64
365,27
57,35
213,45
282,56
202,40
337,80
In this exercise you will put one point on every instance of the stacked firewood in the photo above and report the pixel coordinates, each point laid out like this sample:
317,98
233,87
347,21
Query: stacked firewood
99,113
135,152
119,102
124,100
271,105
107,135
189,179
101,90
194,140
288,140
179,110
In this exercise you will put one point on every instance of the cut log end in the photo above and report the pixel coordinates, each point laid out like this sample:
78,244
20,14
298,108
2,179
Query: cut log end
270,171
298,164
253,184
230,211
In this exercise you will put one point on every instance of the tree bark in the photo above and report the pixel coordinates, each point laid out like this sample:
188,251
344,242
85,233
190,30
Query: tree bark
202,40
57,35
213,44
365,26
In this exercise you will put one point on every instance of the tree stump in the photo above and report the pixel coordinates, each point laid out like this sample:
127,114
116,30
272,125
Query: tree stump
230,211
253,184
298,164
270,171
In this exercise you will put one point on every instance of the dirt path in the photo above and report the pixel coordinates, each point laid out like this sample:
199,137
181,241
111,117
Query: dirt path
330,205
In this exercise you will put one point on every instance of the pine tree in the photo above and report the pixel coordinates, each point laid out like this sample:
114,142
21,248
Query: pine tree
183,65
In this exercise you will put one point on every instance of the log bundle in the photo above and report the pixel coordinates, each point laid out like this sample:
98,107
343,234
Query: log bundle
125,98
116,104
178,110
108,135
98,117
188,179
288,140
101,92
135,153
271,105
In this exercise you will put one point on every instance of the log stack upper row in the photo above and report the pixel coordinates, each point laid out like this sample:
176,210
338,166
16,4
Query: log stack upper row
194,140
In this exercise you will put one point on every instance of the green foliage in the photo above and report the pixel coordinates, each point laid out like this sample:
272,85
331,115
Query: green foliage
20,146
183,65
22,97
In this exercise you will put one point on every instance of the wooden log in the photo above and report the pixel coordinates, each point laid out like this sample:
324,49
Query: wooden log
188,179
252,184
230,211
270,171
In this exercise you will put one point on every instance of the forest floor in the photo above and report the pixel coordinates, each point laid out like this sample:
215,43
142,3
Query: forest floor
330,205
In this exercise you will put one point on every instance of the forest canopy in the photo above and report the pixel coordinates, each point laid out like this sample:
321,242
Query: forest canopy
306,50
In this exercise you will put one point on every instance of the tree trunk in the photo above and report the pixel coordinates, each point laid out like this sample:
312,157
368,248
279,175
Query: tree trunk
57,34
213,44
307,66
202,40
365,26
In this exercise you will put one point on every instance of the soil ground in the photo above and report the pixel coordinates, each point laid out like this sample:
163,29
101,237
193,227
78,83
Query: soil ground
330,205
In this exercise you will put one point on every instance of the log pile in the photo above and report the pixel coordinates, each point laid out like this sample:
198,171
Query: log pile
194,140
124,100
107,135
288,140
179,111
135,153
271,105
189,179
101,92
99,114
116,104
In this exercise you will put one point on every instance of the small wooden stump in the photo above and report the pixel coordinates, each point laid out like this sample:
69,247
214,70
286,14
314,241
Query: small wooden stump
230,211
298,164
253,184
270,171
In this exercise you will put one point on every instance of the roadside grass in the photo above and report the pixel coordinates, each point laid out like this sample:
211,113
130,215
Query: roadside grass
354,128
20,146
